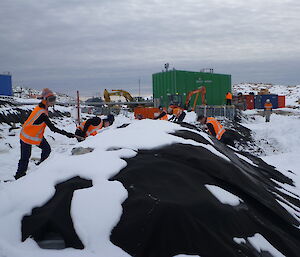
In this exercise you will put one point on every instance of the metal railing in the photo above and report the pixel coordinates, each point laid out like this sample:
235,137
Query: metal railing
220,111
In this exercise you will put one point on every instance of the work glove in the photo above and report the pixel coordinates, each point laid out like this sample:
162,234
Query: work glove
79,138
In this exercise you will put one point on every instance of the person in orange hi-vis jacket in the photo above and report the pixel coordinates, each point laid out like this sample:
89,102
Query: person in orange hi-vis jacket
32,132
162,114
178,113
92,126
228,98
216,129
268,110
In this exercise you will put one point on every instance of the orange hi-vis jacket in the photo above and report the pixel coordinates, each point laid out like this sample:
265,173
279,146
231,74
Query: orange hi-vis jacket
217,127
165,117
92,130
33,134
229,96
177,111
268,106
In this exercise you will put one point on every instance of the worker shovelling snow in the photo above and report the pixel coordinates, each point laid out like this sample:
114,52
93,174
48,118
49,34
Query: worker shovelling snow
216,129
91,126
33,129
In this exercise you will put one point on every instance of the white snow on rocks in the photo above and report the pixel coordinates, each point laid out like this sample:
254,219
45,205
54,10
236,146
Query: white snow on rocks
280,139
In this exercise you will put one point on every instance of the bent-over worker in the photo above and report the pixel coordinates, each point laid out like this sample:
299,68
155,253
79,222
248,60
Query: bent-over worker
216,129
177,112
162,114
91,126
33,129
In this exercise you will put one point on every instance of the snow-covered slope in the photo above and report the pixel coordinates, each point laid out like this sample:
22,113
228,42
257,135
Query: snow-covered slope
97,210
280,141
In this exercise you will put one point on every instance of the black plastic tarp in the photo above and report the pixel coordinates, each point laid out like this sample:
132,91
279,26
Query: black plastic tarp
54,218
170,211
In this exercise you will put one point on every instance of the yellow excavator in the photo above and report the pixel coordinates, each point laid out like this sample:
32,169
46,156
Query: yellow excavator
117,92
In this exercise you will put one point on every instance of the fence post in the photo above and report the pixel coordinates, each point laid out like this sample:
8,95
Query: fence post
78,108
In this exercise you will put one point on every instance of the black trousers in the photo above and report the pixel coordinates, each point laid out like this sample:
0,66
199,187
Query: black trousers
26,153
228,101
181,117
227,138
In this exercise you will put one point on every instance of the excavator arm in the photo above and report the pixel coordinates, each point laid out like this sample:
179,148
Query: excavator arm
124,93
118,92
202,91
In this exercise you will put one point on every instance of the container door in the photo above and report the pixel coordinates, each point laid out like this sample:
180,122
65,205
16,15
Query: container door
250,102
281,101
258,102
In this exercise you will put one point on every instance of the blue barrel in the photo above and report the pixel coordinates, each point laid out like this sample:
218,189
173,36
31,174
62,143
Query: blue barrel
273,99
258,102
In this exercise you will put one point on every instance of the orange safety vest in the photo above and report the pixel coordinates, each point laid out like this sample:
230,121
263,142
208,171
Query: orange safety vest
268,106
92,130
217,127
165,117
33,134
229,96
177,111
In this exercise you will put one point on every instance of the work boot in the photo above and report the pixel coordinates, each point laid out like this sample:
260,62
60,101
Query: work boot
19,175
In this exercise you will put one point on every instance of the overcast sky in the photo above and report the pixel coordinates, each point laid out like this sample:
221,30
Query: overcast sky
89,45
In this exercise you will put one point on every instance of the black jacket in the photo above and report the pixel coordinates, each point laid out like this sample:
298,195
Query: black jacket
44,118
92,121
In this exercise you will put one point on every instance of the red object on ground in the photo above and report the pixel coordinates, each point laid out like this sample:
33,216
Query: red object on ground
250,102
281,101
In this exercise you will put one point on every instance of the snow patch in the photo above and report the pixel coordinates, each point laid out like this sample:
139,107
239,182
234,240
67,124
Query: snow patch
239,240
260,243
246,159
224,196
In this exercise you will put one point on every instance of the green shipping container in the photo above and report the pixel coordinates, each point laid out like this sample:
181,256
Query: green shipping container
177,84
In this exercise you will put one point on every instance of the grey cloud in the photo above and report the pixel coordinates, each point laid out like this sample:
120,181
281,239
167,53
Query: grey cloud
67,44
